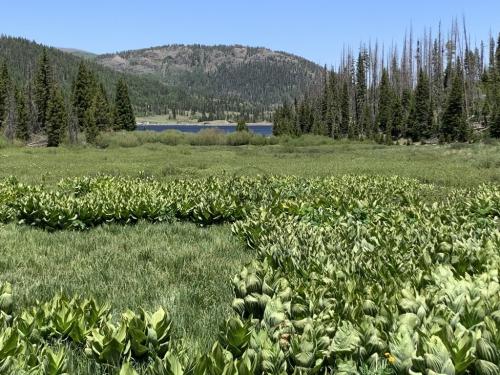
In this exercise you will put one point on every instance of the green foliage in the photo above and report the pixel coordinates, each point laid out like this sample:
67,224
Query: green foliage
22,118
124,118
353,274
43,85
454,126
4,92
83,93
90,125
56,118
241,126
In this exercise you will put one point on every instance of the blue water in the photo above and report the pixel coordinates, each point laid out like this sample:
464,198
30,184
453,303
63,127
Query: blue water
265,130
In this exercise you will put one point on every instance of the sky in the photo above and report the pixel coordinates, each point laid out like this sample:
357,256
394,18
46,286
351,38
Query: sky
315,29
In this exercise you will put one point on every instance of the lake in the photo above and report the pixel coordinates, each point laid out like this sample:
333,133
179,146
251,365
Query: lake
265,130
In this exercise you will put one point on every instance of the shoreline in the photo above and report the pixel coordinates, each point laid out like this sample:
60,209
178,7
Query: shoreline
207,124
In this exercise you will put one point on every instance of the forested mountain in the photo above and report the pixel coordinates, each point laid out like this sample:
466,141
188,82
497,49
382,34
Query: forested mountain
147,94
255,75
435,87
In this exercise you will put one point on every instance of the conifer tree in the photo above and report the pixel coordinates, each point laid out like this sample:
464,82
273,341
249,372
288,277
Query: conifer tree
360,84
366,124
124,118
56,119
4,92
22,125
345,111
11,119
398,117
91,129
82,93
102,110
421,120
454,125
385,103
42,89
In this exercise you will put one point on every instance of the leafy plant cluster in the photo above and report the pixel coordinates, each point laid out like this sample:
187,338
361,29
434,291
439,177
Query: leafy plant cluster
353,275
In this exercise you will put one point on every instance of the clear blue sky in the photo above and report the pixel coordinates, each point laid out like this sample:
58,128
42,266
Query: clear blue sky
315,29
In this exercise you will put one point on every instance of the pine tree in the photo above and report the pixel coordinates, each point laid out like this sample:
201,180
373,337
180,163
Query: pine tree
22,126
454,125
385,103
398,118
11,119
345,111
4,92
124,118
56,119
82,93
422,118
43,85
91,129
102,110
366,121
360,84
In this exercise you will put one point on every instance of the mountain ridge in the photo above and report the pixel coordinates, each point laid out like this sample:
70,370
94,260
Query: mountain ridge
257,74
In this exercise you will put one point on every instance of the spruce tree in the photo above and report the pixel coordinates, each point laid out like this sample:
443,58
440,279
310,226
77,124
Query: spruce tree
22,126
102,110
385,103
345,111
360,84
56,119
91,129
82,93
124,118
398,117
422,120
4,92
454,126
43,87
366,122
11,119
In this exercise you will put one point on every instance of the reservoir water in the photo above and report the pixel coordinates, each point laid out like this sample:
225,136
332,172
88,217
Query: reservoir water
265,130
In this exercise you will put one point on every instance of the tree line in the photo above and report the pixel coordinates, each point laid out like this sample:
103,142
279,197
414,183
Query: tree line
437,88
41,107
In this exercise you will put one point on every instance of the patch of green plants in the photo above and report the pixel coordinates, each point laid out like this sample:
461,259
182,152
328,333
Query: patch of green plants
352,275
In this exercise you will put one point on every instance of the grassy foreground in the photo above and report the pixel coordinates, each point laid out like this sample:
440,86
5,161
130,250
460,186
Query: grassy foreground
131,154
180,266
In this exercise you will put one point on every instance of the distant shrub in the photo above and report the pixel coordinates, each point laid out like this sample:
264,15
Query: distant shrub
238,138
259,140
207,137
171,137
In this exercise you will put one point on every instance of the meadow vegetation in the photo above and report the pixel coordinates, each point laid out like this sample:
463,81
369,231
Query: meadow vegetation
350,274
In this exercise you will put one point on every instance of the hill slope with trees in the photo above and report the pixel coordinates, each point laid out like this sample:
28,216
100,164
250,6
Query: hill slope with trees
256,75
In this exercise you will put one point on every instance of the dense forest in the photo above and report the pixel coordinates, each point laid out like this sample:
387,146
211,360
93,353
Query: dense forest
38,105
434,88
149,95
252,78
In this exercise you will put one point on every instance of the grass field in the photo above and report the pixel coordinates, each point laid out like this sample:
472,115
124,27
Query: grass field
453,165
181,266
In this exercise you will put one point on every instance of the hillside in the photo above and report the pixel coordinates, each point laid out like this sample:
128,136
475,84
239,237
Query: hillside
257,75
148,95
217,81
